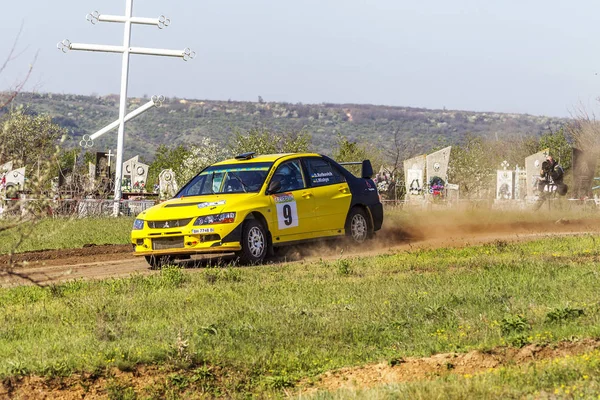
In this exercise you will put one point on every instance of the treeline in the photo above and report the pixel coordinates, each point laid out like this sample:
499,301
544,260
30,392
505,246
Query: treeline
33,141
187,122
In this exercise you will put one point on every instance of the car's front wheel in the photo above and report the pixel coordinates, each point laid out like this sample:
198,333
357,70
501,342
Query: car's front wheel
254,243
157,262
358,228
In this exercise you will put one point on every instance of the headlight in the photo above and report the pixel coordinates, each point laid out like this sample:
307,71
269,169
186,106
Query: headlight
138,224
224,218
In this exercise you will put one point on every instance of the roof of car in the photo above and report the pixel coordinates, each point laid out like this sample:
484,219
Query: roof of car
266,158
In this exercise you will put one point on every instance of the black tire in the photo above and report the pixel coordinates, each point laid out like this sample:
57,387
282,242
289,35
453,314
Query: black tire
254,243
157,262
358,228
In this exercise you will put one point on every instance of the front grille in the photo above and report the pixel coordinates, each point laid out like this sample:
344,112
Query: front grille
167,243
173,223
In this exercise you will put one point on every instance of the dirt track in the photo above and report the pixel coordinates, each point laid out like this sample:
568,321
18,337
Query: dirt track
97,262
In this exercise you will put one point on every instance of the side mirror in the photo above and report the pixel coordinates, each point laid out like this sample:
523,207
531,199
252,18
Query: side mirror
367,169
274,186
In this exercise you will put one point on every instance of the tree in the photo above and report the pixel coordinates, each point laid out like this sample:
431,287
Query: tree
584,130
29,140
199,157
167,157
32,142
399,151
352,151
21,217
559,146
264,141
472,166
348,151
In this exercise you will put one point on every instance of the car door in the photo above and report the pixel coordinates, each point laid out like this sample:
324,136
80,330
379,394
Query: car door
293,204
331,192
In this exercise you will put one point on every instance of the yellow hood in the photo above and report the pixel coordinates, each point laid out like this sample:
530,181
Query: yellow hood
196,206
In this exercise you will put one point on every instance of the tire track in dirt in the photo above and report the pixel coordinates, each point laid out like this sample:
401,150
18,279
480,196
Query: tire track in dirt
414,369
109,261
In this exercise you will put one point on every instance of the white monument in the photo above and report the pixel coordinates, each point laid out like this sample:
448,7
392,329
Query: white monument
437,171
437,164
504,183
6,167
167,184
414,176
14,179
533,166
135,175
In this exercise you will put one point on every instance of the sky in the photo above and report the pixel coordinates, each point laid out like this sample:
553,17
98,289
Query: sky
526,56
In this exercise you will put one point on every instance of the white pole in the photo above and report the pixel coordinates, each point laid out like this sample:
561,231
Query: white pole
122,106
128,117
66,45
96,47
186,54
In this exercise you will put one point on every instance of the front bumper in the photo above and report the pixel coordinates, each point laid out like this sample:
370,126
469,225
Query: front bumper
219,238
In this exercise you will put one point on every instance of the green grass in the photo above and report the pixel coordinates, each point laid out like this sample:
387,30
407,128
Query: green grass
272,325
64,233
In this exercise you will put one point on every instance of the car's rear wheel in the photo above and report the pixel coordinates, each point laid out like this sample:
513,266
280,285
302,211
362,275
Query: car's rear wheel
358,228
254,243
157,262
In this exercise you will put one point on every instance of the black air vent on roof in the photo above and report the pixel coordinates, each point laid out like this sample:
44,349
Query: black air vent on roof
245,156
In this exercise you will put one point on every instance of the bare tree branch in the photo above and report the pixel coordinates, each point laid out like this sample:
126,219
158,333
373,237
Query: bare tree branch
7,97
10,56
585,130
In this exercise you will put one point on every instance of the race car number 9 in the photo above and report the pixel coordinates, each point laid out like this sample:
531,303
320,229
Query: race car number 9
287,211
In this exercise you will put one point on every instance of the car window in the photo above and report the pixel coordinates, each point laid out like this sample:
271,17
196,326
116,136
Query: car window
234,178
199,185
322,173
289,174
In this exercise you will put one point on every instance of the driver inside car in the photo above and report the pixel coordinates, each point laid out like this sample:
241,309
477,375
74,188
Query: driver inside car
233,185
288,178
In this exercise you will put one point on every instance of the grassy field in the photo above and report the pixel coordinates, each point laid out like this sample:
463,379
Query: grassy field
65,233
237,332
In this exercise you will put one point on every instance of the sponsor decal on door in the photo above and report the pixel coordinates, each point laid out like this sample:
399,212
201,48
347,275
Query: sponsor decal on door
287,210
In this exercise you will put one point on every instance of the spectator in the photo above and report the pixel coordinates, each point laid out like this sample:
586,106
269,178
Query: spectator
551,177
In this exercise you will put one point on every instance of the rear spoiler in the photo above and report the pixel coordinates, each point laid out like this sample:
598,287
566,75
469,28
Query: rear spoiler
367,169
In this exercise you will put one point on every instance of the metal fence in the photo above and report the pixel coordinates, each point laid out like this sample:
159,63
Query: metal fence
79,208
486,204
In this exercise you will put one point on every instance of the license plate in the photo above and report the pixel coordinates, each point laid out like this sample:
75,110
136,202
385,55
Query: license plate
203,230
167,243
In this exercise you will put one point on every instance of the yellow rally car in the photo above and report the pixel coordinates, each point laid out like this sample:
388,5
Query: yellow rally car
252,204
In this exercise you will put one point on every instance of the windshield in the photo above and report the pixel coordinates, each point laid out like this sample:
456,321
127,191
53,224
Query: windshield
232,178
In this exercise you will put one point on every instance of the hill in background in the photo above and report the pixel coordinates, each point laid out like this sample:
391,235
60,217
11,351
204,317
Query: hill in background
184,121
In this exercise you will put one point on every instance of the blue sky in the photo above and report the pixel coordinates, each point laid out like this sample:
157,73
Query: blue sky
529,56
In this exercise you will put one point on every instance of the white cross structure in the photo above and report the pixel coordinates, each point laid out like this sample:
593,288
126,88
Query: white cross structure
109,155
161,22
